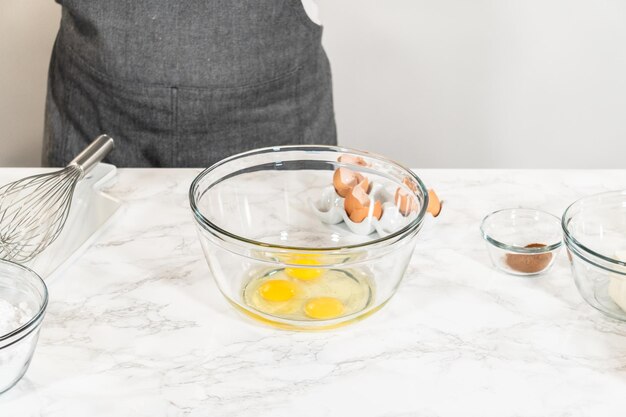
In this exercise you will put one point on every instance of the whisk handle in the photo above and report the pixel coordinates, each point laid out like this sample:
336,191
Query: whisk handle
94,153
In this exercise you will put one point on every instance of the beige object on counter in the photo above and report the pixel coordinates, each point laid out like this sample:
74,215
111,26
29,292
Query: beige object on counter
617,285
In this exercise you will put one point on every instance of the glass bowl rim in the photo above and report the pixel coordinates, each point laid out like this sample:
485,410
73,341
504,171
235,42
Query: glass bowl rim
514,248
573,248
210,226
39,313
575,242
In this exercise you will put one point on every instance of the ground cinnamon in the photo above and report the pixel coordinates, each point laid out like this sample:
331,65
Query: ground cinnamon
529,263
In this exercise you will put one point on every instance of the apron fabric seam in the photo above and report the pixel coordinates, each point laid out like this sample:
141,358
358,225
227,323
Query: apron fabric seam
123,89
280,77
123,83
174,124
65,144
299,109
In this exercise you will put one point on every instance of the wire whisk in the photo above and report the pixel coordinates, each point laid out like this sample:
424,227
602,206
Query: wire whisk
33,210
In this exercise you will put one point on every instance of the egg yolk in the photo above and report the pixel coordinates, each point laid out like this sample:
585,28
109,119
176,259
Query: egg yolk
277,290
304,274
324,308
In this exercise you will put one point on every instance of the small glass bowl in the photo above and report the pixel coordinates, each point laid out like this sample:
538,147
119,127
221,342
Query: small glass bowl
22,287
594,231
522,241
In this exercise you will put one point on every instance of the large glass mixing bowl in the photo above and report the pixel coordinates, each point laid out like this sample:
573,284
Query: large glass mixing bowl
282,250
595,236
23,302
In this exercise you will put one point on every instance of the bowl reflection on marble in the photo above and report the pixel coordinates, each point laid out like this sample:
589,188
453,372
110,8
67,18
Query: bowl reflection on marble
522,241
277,258
594,231
23,301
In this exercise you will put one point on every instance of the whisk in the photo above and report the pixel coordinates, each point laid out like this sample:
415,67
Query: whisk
34,209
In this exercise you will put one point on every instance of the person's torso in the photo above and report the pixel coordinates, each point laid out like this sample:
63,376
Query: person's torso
190,42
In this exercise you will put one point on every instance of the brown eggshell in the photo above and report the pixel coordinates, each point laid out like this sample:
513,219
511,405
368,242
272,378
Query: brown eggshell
405,202
363,183
359,214
434,204
344,180
356,199
412,186
354,160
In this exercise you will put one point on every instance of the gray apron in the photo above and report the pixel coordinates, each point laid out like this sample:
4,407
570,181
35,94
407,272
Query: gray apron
186,82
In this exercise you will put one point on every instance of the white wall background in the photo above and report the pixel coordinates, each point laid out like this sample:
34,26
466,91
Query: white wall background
27,31
447,83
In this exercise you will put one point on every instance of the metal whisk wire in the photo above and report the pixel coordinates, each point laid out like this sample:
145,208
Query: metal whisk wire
33,210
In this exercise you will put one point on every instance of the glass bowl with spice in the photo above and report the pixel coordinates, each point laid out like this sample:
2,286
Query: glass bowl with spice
522,241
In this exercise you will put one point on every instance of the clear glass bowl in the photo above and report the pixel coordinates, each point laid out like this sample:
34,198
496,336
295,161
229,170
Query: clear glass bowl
522,241
24,289
595,235
257,222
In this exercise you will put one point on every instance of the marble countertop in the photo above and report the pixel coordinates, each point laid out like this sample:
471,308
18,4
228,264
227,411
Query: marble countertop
136,326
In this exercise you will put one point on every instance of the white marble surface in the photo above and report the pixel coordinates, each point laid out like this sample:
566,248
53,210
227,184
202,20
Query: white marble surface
136,327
